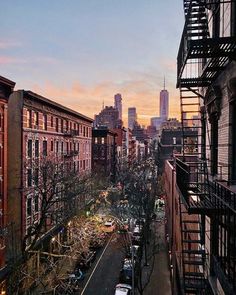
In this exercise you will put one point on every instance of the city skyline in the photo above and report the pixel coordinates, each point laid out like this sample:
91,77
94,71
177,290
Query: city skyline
86,52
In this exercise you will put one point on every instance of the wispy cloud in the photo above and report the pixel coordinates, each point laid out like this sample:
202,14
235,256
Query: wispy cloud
9,44
11,60
4,59
88,99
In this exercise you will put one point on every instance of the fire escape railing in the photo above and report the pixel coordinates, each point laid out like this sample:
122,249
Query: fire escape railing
196,45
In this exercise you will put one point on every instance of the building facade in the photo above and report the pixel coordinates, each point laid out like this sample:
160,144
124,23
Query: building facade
205,175
6,88
164,104
109,117
118,104
40,132
104,152
121,148
132,117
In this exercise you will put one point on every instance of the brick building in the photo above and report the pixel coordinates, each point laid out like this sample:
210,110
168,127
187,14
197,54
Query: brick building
205,176
109,116
6,88
104,152
121,147
40,130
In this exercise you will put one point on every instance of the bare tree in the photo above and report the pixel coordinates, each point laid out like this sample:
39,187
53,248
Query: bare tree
59,192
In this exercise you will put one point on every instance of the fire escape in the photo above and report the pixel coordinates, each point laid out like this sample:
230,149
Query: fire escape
200,60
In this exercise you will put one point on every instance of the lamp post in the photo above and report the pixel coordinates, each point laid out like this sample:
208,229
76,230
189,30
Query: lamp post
131,250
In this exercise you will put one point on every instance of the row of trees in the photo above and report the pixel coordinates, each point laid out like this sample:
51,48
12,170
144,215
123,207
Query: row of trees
59,192
138,187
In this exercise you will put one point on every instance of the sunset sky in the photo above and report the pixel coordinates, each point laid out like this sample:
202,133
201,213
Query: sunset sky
81,52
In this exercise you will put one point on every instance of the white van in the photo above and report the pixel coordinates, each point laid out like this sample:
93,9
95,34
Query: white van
123,289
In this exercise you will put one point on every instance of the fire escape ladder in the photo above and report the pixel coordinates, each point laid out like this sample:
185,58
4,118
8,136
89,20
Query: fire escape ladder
193,256
191,170
201,58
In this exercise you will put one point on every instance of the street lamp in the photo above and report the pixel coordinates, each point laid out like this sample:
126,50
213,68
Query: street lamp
131,250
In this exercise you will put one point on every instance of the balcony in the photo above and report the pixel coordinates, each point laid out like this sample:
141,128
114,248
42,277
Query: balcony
193,187
70,154
197,47
200,195
71,132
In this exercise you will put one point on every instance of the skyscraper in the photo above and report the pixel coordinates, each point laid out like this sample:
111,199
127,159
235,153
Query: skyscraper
118,104
132,117
164,103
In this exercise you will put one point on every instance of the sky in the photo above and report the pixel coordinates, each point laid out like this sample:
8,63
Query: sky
82,52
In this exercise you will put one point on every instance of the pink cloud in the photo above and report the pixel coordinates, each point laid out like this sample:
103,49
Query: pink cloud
88,99
11,60
9,44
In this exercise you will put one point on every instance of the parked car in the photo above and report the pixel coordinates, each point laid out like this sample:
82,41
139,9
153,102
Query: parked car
136,251
109,226
126,271
137,235
123,289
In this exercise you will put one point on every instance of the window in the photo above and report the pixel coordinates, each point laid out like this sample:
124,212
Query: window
29,207
44,174
45,127
233,19
45,148
1,150
36,148
51,145
67,147
36,177
36,119
57,147
57,127
214,145
103,140
29,177
67,125
36,203
1,121
95,140
52,121
62,125
62,147
29,148
29,119
84,131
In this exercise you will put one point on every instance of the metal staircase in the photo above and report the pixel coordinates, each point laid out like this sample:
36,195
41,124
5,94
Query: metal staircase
191,170
200,60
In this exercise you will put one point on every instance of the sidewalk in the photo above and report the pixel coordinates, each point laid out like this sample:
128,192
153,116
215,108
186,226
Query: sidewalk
156,276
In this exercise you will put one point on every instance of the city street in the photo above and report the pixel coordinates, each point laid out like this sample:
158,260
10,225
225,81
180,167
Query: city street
104,275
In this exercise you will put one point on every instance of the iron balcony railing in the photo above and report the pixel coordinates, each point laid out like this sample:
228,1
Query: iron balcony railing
197,191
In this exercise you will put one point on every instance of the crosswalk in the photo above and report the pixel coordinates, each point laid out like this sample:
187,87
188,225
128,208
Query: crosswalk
125,206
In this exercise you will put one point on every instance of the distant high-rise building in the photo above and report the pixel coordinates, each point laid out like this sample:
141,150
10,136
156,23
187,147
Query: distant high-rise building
109,117
132,117
118,104
156,122
164,103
